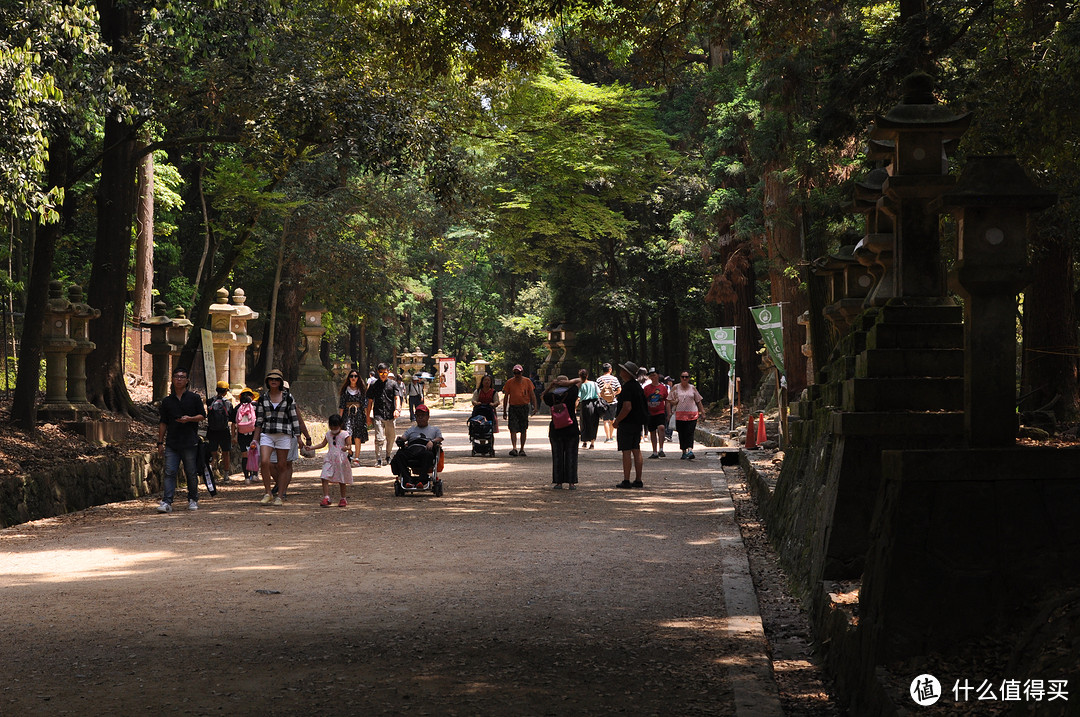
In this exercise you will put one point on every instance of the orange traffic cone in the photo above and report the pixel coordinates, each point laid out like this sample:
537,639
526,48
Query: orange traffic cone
761,437
751,444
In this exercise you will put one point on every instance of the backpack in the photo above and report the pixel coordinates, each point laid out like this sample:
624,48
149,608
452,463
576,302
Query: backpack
245,418
607,393
217,418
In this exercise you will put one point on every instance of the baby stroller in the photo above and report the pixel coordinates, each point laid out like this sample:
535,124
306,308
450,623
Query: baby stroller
482,429
417,480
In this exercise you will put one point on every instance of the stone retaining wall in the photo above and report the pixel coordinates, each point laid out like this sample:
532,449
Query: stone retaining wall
75,486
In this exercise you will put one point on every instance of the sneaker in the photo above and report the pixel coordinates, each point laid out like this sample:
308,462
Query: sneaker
279,501
689,455
514,452
325,501
422,485
607,440
193,505
164,507
225,479
409,486
267,499
355,463
661,454
624,484
557,486
521,453
655,455
683,456
637,484
378,462
342,503
249,480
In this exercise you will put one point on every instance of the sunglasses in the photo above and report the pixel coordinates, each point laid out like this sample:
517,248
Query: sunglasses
685,375
354,375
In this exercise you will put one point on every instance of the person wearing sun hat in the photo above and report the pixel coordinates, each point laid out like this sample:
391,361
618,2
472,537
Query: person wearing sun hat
277,422
218,434
632,415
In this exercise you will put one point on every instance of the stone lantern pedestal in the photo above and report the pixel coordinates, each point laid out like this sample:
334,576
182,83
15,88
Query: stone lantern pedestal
238,348
221,315
57,344
79,328
314,387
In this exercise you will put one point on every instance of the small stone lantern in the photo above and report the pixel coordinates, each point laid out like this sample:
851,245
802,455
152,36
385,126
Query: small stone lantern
221,313
991,201
79,322
479,369
57,344
310,363
177,333
921,131
159,349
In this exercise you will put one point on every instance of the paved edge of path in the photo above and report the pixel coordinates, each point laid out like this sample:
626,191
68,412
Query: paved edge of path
751,677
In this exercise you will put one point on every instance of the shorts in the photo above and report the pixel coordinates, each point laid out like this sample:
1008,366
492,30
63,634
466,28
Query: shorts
280,441
243,440
219,440
628,436
656,421
518,418
611,411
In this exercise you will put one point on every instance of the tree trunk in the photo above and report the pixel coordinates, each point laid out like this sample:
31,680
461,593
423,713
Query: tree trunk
1050,332
437,336
24,399
783,242
144,241
116,199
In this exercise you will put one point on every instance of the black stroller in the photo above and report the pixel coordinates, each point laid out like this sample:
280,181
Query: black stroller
482,429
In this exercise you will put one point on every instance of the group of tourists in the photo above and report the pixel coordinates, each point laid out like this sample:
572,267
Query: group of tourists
637,403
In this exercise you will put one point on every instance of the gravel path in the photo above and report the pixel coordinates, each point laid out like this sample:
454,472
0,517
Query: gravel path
503,597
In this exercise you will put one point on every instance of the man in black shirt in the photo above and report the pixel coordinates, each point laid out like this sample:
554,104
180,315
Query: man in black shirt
178,438
629,422
384,404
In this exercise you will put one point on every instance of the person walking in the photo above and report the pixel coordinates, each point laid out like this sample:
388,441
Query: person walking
336,466
383,408
589,400
178,439
243,430
609,388
563,432
351,400
415,395
685,402
277,423
487,395
218,433
631,417
519,402
656,395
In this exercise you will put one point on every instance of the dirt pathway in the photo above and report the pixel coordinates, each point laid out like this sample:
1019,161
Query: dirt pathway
503,597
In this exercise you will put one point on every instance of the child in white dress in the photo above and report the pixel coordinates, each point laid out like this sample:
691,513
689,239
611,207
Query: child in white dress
336,467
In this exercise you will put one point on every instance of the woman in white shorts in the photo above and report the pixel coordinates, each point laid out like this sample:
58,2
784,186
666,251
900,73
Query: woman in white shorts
277,423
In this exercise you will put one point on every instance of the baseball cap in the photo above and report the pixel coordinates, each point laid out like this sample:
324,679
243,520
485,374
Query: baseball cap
653,370
517,367
422,409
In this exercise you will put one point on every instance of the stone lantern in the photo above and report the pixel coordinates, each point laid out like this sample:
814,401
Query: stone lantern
238,348
479,369
177,334
314,387
875,250
991,201
221,313
79,323
921,131
57,344
159,349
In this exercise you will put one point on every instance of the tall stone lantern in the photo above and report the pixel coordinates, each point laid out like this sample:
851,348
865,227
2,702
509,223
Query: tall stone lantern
221,314
79,330
57,344
314,387
159,349
921,130
479,369
991,201
238,348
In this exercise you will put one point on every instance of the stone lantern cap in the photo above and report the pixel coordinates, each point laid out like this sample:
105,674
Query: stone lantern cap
181,320
997,181
919,111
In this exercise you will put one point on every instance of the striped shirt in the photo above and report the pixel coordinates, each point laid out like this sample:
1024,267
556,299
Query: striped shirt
282,419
